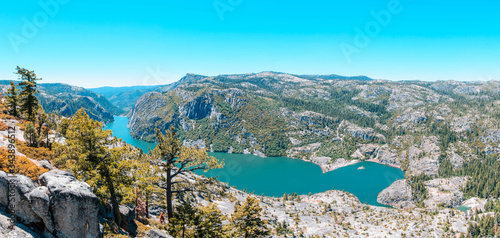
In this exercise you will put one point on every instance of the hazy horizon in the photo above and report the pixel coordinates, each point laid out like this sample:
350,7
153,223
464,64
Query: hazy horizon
176,80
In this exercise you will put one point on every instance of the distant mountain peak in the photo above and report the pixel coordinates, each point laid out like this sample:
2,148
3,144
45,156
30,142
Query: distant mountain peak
190,77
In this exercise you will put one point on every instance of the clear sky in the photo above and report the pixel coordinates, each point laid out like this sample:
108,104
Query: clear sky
94,43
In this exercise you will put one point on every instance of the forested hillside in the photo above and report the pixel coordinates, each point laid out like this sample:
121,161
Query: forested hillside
65,100
440,129
123,97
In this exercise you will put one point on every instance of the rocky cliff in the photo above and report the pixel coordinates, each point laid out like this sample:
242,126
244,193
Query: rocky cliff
441,193
409,124
398,195
59,206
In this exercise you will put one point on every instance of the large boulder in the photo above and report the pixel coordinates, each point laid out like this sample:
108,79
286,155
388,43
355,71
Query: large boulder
40,203
73,205
4,189
399,194
18,231
127,216
21,202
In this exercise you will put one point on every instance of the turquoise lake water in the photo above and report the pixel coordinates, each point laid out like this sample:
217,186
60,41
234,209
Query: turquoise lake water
278,175
463,208
120,130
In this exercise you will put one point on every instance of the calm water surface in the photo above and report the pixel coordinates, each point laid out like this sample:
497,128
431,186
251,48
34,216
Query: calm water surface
278,175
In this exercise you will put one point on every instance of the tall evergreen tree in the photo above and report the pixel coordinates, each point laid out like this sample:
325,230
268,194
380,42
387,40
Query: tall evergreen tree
178,160
12,98
90,155
29,101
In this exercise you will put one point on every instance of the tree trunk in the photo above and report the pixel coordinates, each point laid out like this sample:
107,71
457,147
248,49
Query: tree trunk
147,206
47,139
39,135
111,189
170,212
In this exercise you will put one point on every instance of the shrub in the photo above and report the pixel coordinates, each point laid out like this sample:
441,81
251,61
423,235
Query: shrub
3,126
23,165
38,153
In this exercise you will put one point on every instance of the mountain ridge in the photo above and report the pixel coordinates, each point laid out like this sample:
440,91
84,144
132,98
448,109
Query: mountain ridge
317,119
66,99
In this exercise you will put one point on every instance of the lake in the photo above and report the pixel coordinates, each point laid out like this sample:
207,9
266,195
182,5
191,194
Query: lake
120,130
278,175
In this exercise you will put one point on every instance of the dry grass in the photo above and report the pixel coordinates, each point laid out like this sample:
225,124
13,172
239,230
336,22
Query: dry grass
38,153
23,165
3,126
6,116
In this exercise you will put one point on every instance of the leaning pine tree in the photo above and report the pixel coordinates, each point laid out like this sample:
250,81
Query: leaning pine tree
180,160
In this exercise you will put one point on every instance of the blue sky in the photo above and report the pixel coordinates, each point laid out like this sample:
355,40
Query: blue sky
118,43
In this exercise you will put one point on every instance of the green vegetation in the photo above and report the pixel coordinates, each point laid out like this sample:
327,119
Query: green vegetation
12,99
485,177
207,221
283,229
339,149
179,160
446,168
204,222
65,100
123,98
246,220
291,197
419,191
29,105
485,227
255,121
88,155
69,99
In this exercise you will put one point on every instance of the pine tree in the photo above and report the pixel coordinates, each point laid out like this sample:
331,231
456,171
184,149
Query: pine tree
29,101
199,222
176,160
209,222
246,219
146,179
183,218
13,99
41,120
30,135
51,123
89,153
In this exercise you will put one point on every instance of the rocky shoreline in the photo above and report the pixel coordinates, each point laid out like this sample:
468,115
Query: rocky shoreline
379,162
323,162
326,166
